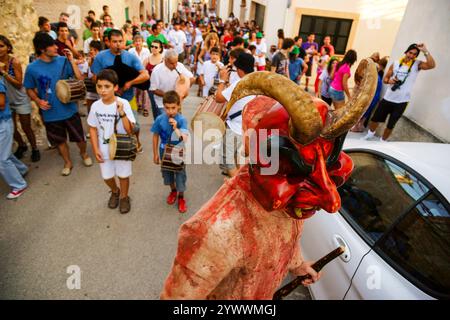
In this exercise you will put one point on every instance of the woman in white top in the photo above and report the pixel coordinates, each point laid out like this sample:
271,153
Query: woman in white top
155,58
142,98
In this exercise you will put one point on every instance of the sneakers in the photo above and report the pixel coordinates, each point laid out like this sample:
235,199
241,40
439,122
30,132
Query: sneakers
15,193
87,162
182,208
369,135
20,151
114,200
35,155
172,197
124,205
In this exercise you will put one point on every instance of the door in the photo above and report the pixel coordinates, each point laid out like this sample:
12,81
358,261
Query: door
377,194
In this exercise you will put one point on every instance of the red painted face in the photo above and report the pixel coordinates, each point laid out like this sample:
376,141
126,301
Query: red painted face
307,176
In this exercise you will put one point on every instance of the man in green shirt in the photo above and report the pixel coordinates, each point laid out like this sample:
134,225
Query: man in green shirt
156,34
88,21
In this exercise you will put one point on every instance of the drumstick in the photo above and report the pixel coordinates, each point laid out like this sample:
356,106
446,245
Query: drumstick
317,266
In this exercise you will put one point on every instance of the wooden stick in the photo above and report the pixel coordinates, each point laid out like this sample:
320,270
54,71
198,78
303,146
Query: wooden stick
317,266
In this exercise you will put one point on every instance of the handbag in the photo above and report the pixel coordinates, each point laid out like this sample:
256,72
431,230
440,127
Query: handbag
122,146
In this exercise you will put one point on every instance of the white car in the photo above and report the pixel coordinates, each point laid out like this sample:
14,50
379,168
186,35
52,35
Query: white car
394,223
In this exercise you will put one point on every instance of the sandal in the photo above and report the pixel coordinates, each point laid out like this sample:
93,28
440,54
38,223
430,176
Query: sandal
66,171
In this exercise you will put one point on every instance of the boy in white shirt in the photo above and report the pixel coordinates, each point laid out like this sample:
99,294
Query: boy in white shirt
210,71
109,112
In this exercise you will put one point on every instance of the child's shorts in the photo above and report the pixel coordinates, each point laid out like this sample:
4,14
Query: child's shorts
112,168
179,178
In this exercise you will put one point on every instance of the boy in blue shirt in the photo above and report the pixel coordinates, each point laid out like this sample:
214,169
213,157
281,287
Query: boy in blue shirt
171,127
60,119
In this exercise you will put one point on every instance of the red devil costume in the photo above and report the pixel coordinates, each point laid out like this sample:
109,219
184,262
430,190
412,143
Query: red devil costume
243,242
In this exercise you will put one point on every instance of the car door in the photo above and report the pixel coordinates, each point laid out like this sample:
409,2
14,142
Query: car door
372,199
406,223
412,259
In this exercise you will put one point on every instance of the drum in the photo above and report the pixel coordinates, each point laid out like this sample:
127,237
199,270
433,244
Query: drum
182,86
70,90
172,159
122,147
209,113
90,85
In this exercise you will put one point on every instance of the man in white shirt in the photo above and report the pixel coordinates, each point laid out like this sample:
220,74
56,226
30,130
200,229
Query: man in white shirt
244,64
261,50
165,75
177,38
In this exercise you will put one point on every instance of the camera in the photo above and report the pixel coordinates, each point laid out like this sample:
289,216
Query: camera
396,85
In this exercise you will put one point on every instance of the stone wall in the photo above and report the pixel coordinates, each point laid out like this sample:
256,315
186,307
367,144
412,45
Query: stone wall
19,23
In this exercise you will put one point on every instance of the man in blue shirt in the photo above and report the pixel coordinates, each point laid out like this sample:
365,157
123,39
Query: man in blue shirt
105,59
59,118
11,169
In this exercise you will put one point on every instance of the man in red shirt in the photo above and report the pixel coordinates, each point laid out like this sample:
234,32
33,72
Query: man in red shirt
327,44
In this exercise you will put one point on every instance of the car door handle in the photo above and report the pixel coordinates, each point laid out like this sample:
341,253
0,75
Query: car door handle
339,241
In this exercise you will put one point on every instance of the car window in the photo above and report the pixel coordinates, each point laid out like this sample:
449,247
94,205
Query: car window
420,244
377,193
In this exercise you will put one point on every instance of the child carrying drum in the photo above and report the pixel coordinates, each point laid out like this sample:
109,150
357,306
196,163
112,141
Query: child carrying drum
171,127
106,114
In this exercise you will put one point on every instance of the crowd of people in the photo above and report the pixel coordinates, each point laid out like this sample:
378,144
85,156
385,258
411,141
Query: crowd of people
148,65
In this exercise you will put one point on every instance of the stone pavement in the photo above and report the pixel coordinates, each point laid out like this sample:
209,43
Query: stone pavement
64,221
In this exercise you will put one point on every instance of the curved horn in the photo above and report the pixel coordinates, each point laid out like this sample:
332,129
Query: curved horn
341,120
306,123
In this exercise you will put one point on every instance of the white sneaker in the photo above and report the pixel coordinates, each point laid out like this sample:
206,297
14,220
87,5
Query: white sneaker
368,136
381,140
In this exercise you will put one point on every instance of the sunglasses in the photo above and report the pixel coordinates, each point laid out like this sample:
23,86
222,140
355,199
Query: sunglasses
155,47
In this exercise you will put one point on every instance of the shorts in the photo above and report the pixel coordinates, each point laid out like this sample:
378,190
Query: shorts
232,144
336,95
24,108
310,64
111,168
179,178
57,130
394,110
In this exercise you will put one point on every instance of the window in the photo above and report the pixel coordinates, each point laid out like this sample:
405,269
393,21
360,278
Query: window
377,194
337,29
402,217
420,244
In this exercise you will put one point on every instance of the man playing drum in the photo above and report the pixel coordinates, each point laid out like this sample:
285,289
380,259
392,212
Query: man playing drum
59,118
233,137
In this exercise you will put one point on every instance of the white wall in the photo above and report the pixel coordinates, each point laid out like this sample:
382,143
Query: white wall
377,27
429,22
275,14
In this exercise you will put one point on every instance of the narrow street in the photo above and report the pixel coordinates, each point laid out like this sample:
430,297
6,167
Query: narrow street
64,221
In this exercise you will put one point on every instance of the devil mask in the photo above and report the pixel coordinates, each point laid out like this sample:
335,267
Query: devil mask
308,137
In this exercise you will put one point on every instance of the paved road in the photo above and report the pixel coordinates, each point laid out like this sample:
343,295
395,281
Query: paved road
64,221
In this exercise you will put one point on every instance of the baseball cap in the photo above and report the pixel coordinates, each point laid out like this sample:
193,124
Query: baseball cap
245,62
259,35
296,50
